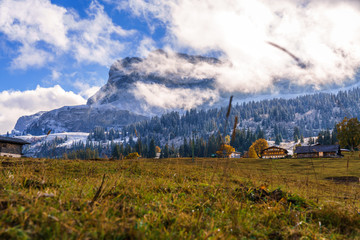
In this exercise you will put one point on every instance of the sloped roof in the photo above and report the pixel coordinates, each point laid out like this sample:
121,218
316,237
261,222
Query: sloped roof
12,140
317,148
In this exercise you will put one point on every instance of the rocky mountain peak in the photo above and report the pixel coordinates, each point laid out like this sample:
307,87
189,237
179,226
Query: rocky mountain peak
132,81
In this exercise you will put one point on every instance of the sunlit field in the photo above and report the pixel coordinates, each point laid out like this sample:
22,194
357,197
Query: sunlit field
180,199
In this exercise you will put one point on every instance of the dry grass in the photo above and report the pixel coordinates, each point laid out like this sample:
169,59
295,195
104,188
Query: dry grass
179,199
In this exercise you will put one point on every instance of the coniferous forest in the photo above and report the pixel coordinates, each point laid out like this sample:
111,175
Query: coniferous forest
200,132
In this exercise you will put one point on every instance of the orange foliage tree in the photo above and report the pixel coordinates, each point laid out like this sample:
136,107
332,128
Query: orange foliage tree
259,145
225,150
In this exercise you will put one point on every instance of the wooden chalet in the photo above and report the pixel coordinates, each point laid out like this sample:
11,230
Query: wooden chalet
274,152
318,151
11,147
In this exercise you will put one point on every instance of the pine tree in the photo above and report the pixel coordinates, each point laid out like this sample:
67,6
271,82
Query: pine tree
152,149
115,154
296,134
166,151
138,146
277,140
334,139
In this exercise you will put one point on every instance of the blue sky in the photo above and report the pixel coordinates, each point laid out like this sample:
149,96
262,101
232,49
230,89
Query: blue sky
65,66
67,46
56,53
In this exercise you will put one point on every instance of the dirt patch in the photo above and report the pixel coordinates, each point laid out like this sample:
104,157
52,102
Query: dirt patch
261,195
344,179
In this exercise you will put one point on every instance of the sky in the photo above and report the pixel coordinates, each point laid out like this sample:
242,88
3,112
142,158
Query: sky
56,53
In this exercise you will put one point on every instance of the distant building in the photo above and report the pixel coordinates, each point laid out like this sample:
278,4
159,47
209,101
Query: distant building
11,147
274,153
235,155
318,151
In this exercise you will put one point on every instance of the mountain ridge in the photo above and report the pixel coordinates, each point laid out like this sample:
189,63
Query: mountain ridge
119,102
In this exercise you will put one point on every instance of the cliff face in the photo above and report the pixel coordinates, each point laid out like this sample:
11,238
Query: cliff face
129,76
25,121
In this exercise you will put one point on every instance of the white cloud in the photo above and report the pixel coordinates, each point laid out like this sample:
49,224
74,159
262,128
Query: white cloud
46,31
30,56
168,63
33,20
93,41
159,95
325,35
86,91
14,104
160,9
55,75
146,46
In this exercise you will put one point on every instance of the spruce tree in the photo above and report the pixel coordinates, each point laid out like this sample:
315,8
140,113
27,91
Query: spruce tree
166,151
152,149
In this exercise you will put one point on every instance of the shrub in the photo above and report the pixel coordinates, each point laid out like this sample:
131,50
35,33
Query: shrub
133,155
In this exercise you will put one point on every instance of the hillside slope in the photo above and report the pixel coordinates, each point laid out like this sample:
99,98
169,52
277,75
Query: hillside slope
81,118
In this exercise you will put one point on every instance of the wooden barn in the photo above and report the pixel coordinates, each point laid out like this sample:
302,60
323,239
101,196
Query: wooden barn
11,147
274,152
318,151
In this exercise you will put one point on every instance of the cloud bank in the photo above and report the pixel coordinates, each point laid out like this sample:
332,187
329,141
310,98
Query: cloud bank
323,34
158,95
14,104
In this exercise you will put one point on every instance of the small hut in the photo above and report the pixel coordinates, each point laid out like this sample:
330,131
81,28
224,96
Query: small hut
11,147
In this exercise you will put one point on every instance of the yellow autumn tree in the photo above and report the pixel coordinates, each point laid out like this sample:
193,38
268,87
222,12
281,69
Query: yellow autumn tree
157,149
348,133
252,153
227,139
259,145
133,155
225,150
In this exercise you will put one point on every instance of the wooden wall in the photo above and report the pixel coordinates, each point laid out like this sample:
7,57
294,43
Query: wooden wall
10,148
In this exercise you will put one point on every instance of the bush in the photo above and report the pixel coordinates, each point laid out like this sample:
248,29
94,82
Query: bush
133,155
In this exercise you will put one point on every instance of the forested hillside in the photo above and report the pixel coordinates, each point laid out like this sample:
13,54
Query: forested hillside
310,114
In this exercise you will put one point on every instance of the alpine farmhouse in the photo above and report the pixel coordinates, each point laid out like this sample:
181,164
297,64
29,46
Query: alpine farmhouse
274,153
318,151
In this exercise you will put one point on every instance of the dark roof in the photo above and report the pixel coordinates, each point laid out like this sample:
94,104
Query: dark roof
13,140
286,151
317,148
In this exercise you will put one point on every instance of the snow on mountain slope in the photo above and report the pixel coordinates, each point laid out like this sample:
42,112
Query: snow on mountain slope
25,121
62,140
36,142
81,118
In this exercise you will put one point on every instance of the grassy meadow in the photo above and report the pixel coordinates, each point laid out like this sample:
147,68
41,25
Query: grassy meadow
180,199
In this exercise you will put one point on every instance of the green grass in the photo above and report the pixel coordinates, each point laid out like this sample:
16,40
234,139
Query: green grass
178,199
